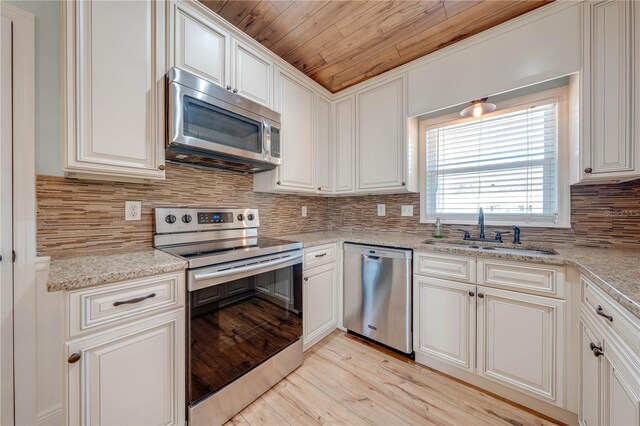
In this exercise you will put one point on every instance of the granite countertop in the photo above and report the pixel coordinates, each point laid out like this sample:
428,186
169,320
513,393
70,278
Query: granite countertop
616,271
86,271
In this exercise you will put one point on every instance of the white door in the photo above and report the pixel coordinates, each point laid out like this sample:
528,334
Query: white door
130,376
295,103
622,403
609,52
115,66
445,321
345,145
6,227
320,314
252,74
380,139
201,47
591,390
323,147
521,342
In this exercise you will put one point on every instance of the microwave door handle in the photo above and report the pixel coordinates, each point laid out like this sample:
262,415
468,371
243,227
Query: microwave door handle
266,138
247,268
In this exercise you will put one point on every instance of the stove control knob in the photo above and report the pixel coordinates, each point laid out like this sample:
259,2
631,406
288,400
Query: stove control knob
240,217
186,218
170,218
250,216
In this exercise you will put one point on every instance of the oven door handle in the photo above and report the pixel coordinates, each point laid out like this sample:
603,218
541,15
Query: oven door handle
247,268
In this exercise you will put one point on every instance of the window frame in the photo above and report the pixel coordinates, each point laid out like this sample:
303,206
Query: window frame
561,95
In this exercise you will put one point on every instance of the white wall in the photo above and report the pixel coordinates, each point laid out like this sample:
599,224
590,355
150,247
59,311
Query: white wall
48,90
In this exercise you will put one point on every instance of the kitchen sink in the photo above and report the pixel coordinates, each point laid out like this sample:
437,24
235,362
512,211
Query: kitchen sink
510,250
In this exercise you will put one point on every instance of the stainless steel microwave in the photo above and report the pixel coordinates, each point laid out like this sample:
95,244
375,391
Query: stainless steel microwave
209,126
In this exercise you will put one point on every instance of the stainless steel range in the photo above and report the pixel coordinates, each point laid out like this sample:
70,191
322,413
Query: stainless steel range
244,307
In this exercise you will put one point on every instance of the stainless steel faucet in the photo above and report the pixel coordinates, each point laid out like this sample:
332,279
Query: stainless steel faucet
481,222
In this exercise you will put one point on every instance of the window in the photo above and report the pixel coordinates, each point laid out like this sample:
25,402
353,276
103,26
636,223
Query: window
506,162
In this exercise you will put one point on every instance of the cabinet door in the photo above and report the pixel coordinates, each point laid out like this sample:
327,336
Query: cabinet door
345,146
591,377
133,375
380,146
521,342
295,103
201,47
252,74
622,402
323,145
445,321
609,56
114,61
320,302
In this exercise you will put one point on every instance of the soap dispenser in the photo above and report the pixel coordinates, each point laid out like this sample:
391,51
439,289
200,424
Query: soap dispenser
438,231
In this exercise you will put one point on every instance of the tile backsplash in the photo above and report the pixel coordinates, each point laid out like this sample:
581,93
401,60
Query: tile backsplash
77,216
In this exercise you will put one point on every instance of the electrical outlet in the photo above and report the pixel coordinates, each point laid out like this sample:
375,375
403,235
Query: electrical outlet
304,211
132,210
406,211
382,210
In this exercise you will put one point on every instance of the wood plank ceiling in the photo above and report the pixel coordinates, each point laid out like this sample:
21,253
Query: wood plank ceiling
341,43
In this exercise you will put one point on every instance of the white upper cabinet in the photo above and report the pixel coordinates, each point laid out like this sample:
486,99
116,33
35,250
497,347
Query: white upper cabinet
345,145
251,74
322,145
114,89
295,103
380,137
610,145
200,46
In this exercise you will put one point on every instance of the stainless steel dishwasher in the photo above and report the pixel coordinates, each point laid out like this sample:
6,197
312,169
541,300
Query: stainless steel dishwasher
377,294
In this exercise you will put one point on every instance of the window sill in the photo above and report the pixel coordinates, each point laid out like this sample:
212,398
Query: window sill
507,223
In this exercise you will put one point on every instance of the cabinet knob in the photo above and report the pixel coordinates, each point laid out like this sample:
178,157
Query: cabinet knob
471,294
235,90
228,87
278,183
597,351
319,188
481,296
306,278
404,183
74,357
588,170
161,167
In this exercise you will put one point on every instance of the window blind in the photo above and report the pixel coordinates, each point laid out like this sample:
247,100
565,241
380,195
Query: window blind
505,163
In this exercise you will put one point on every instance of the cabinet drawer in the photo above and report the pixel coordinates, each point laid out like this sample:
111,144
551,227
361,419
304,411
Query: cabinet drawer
545,280
320,255
458,268
605,310
94,307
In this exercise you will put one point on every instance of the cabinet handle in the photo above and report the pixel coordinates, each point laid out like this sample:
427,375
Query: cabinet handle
306,278
321,254
74,357
278,183
588,170
597,351
601,312
161,167
136,300
472,294
481,296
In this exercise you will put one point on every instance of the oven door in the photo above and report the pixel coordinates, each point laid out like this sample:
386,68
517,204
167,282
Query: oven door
198,121
240,315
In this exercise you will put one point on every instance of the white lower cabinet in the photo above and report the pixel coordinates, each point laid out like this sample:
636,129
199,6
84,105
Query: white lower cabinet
609,362
132,375
520,341
320,301
446,313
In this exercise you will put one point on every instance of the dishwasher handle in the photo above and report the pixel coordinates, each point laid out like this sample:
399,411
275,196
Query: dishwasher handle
372,258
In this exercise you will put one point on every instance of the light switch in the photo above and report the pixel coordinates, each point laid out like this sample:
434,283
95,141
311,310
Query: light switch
406,211
382,210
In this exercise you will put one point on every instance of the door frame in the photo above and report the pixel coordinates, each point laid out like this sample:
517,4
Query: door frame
24,213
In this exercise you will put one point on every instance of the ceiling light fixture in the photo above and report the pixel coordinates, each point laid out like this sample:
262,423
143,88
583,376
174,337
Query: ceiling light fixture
478,108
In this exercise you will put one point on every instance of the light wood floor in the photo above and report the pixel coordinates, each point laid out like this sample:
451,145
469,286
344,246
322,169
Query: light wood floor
346,382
